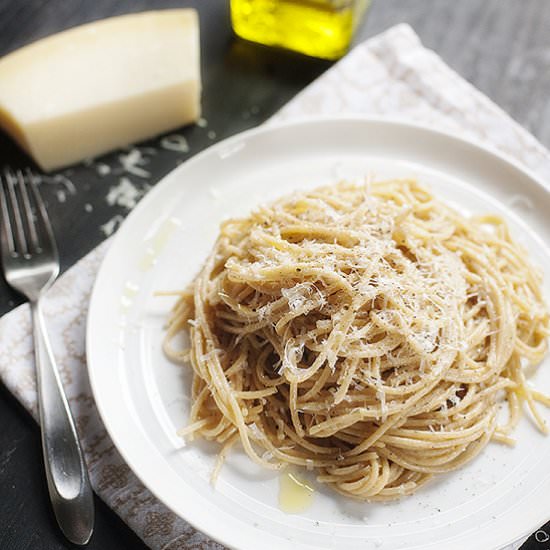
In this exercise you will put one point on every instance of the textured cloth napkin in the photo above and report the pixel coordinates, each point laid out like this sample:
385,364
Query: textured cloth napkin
390,75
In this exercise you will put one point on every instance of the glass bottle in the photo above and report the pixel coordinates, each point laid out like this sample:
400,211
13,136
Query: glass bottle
320,28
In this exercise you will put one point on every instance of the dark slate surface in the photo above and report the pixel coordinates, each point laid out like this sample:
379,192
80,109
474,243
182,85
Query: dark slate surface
501,46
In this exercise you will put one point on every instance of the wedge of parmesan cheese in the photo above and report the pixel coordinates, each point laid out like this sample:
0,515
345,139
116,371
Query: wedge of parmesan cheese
103,85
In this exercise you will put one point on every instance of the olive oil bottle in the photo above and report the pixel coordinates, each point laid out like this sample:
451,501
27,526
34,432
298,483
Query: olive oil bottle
320,28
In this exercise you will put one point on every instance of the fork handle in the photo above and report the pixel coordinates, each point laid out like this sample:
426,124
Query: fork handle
67,477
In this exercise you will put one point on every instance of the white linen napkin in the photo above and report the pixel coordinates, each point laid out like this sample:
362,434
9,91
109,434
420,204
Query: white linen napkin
390,75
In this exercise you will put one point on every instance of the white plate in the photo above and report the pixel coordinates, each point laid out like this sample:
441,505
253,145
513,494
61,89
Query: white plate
143,398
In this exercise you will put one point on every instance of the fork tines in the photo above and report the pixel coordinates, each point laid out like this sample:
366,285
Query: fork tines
26,228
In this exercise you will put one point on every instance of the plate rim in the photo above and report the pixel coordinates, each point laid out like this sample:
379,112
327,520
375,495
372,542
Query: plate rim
267,127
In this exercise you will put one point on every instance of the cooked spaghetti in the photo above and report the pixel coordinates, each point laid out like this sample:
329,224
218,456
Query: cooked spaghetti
367,333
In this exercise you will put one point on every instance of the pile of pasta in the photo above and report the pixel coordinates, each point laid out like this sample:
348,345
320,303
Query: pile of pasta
364,332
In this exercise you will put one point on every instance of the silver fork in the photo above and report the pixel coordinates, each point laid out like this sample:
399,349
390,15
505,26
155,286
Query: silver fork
31,265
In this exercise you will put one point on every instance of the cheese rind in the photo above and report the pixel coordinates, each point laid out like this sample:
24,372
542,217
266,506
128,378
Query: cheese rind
85,91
